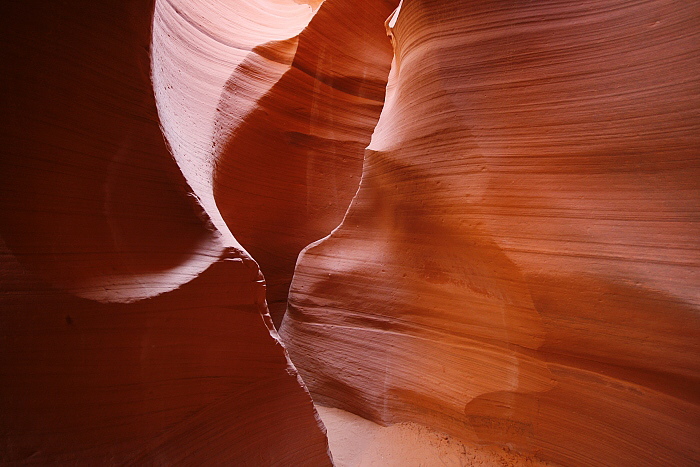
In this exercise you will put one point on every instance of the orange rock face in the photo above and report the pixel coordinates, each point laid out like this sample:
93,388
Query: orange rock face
133,328
287,170
520,265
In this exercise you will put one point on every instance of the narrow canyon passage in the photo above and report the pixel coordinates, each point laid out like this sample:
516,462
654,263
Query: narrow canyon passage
306,232
287,169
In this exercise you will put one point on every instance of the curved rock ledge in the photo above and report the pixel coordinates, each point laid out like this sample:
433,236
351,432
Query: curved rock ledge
133,327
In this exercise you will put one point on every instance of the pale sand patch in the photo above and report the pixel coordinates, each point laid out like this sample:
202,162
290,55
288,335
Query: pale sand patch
357,442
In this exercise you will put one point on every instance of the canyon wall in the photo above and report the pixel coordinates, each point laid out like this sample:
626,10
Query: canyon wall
288,168
520,265
133,327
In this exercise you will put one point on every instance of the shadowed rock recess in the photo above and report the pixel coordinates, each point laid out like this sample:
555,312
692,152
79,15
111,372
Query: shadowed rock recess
474,223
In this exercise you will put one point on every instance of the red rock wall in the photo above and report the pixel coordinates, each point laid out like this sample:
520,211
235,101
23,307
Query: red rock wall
132,327
287,170
521,263
519,266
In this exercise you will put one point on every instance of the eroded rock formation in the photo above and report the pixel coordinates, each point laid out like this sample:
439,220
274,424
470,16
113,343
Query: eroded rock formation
288,171
133,326
519,267
521,263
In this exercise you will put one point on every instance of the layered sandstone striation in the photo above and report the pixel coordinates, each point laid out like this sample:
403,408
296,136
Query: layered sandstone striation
133,327
520,265
289,155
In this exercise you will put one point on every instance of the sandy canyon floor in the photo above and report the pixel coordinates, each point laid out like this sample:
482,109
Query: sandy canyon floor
357,442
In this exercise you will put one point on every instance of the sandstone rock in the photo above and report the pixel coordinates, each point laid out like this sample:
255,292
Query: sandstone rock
287,170
133,327
520,265
519,268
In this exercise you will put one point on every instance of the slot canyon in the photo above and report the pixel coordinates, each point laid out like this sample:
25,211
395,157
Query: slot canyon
350,232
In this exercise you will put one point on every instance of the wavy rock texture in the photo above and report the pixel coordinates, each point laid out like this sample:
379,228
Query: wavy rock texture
287,169
521,263
133,327
519,267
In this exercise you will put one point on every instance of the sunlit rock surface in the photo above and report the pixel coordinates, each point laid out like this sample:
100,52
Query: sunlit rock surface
521,263
288,168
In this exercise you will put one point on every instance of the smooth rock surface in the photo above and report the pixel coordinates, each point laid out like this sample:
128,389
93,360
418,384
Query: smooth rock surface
518,270
520,265
288,168
133,327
